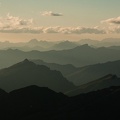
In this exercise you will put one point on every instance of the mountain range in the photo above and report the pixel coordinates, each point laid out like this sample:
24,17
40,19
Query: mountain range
40,103
34,91
107,42
41,45
83,75
79,56
64,69
33,44
98,84
27,73
58,45
64,45
90,73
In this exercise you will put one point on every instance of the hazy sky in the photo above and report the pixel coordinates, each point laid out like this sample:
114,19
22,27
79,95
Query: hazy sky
22,20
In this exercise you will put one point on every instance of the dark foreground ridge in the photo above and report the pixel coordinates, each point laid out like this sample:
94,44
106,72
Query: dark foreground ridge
41,103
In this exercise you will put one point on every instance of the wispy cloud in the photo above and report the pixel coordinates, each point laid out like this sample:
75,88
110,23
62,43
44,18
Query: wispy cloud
112,20
50,13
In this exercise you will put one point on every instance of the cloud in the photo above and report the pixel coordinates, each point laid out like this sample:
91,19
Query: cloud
50,13
14,22
115,29
73,30
63,30
88,30
112,20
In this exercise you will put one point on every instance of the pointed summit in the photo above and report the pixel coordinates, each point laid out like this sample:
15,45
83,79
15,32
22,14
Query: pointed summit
84,47
64,45
33,41
28,73
27,61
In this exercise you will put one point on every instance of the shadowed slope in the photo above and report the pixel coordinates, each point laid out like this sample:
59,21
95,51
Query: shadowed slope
27,73
104,82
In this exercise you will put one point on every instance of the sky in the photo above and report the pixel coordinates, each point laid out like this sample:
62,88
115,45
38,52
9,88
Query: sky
22,20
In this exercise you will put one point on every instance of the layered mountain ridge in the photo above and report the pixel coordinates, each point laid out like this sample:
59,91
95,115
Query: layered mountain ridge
27,73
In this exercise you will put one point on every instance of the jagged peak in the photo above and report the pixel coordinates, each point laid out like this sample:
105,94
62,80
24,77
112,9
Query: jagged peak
27,64
33,41
26,60
85,46
66,41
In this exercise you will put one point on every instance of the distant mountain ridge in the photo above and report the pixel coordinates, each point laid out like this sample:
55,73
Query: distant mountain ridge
64,69
64,45
42,45
77,56
107,42
39,45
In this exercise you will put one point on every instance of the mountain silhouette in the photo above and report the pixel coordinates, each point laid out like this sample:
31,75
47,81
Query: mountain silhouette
83,75
102,43
64,45
27,73
2,92
99,84
64,69
88,41
41,103
78,56
92,72
29,100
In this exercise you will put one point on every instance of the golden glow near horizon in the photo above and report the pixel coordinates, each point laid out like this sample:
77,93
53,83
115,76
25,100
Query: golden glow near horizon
59,20
52,37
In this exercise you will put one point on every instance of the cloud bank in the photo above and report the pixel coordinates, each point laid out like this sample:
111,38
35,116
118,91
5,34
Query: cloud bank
12,24
50,13
63,30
